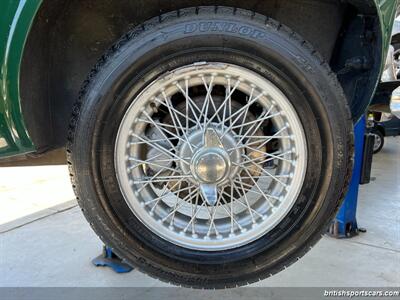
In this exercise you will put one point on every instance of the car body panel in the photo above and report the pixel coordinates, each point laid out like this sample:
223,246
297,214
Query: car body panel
16,21
390,127
387,13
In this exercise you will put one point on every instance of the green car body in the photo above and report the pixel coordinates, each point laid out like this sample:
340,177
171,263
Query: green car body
17,18
16,21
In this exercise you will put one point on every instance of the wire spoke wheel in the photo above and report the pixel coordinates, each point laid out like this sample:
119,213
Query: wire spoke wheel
377,142
210,156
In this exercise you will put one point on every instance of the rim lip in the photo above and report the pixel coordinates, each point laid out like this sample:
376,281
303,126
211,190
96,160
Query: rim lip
162,231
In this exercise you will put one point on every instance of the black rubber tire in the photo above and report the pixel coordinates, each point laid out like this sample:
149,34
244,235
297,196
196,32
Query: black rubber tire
378,134
211,34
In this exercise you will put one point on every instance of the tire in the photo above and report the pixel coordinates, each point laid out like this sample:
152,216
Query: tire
379,140
192,39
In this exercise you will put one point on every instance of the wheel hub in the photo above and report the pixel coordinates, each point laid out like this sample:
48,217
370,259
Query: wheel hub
210,161
210,165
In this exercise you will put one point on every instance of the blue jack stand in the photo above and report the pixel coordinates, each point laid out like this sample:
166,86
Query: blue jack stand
345,224
109,259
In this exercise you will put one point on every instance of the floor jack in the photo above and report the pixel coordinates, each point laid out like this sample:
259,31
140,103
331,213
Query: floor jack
345,223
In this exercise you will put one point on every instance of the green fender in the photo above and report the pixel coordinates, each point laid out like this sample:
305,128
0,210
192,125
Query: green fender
16,20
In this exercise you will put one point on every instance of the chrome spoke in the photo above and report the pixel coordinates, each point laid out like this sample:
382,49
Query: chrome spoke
243,204
267,155
177,206
258,143
160,148
189,102
147,182
265,172
274,136
151,141
212,223
247,106
166,191
160,179
254,127
209,94
259,120
245,198
146,162
195,211
267,176
258,187
245,111
230,213
271,156
177,112
224,103
164,131
208,100
228,103
175,119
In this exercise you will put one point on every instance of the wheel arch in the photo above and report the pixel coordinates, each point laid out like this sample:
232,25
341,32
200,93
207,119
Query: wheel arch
68,37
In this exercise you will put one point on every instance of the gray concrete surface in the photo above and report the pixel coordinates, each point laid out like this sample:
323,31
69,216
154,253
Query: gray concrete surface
53,246
31,193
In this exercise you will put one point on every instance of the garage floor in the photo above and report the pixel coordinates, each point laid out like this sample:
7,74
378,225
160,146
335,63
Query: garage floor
45,240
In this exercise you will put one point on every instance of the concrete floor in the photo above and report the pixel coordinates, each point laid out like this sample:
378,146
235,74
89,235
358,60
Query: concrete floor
46,245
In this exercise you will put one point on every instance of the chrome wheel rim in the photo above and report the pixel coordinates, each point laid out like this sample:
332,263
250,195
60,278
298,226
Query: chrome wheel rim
377,141
210,156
